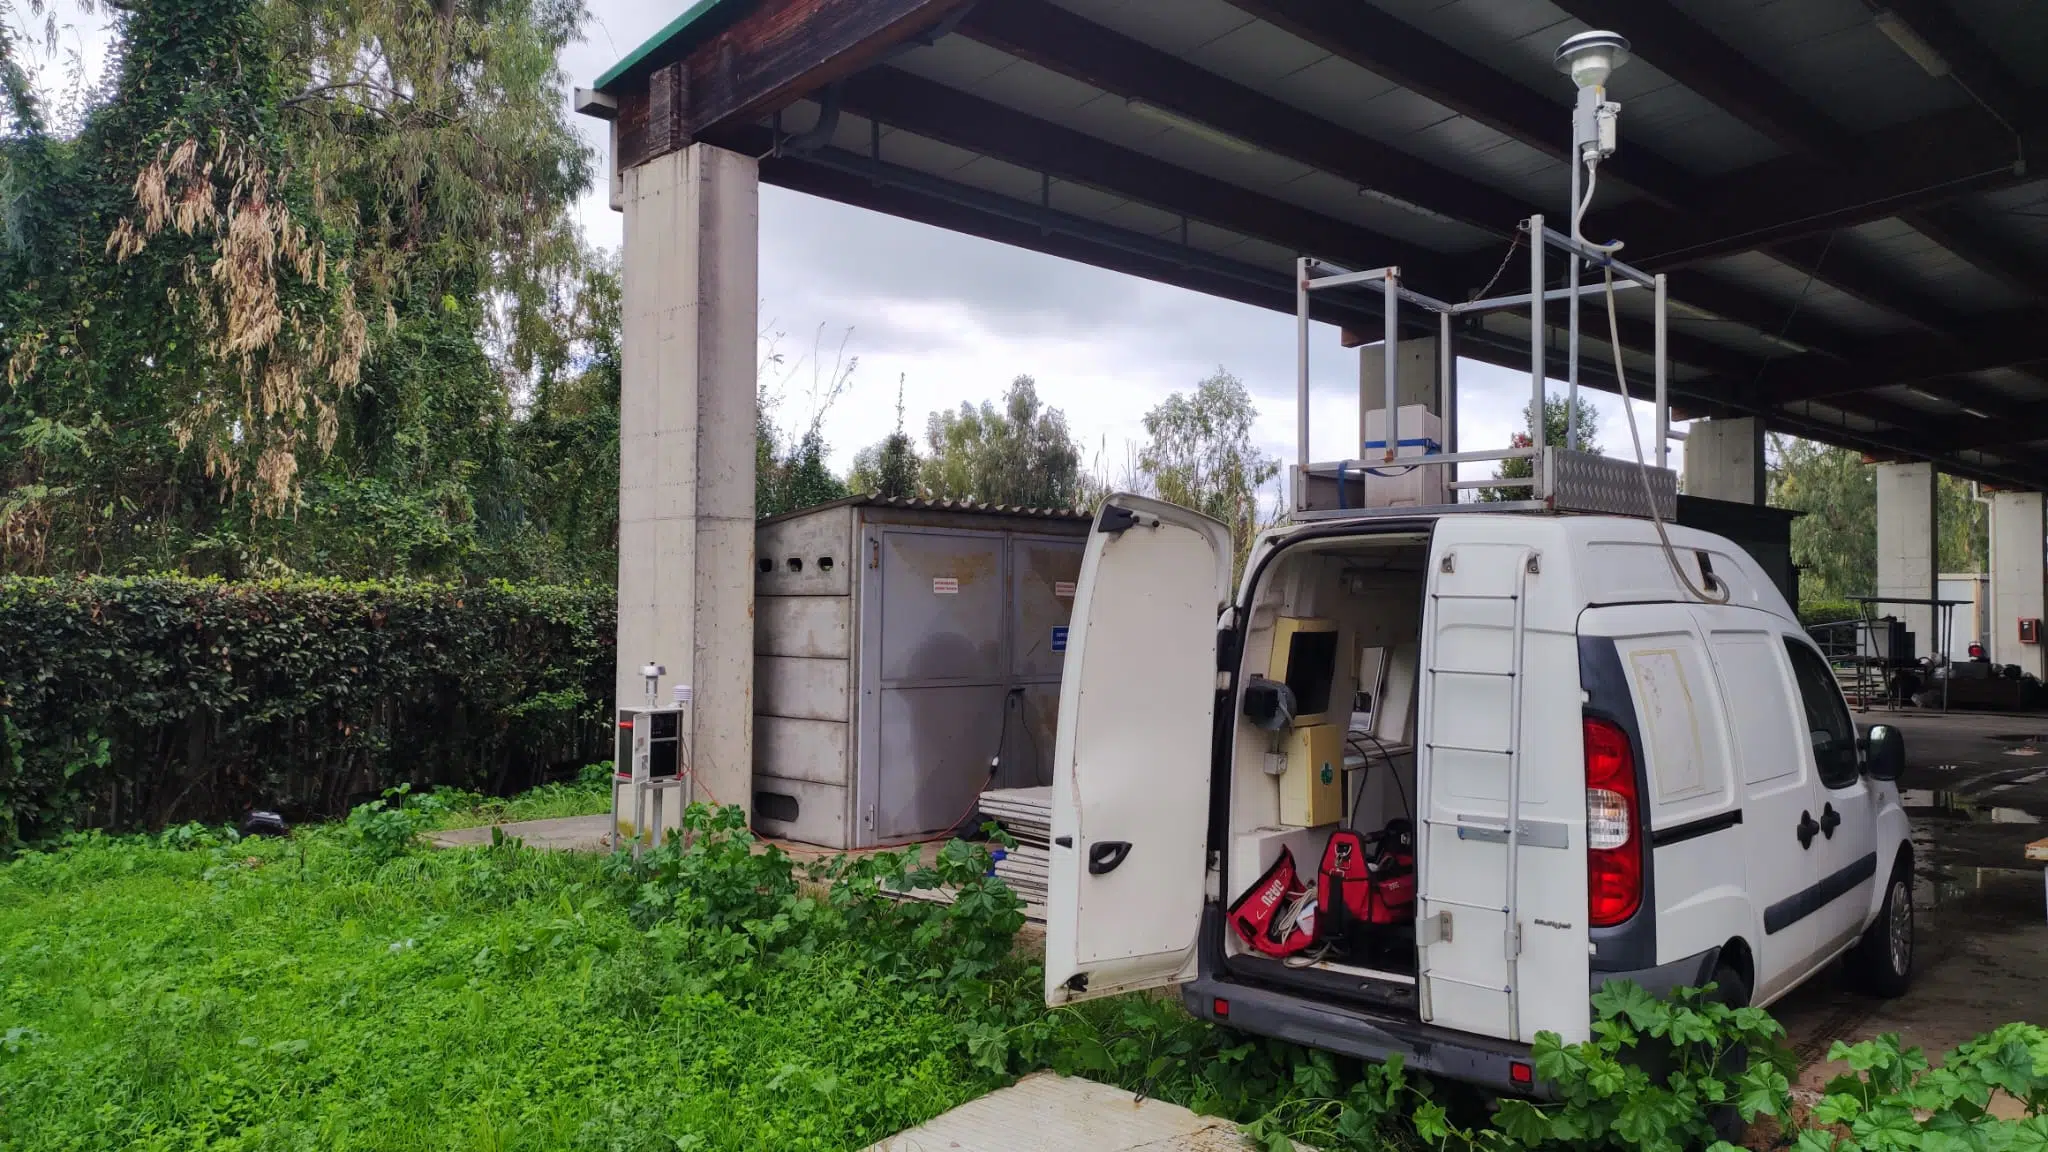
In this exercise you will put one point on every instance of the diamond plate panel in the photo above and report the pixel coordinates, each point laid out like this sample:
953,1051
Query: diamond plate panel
1584,482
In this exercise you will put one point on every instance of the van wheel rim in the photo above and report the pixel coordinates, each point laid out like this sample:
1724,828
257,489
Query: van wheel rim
1901,927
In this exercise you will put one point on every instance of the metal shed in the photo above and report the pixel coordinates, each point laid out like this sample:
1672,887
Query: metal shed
899,646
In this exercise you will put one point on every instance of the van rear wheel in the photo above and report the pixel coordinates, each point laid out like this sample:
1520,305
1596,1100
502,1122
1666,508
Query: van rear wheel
1730,989
1882,962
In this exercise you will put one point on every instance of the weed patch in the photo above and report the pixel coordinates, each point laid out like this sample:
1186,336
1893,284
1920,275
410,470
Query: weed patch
345,989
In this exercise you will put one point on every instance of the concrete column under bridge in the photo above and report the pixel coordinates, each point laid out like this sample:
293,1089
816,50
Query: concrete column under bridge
686,448
1724,459
2019,578
1908,548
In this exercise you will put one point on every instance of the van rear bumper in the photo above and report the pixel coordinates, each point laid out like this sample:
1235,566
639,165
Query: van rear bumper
1285,1016
1691,972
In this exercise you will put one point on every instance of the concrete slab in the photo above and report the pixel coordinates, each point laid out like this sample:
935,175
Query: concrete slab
1045,1112
562,834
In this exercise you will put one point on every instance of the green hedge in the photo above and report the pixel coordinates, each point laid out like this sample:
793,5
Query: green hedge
1813,612
139,702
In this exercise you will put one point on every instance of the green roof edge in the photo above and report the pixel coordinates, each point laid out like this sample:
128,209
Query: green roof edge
675,28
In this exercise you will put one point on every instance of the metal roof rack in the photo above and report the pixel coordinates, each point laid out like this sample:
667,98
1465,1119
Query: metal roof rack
1562,478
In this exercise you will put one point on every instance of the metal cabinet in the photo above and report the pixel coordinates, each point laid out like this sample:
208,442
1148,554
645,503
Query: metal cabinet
886,687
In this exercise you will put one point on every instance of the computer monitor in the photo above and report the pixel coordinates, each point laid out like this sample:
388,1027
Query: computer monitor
1305,659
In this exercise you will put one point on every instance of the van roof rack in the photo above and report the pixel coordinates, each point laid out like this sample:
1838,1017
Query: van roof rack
1560,478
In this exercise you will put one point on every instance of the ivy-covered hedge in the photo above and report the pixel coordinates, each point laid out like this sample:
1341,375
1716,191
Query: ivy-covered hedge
1813,613
138,702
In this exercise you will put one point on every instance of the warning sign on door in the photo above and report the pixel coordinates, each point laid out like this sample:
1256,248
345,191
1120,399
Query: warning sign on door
1063,589
945,585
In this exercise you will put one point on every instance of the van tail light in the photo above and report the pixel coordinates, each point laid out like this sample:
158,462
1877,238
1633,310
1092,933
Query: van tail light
1614,843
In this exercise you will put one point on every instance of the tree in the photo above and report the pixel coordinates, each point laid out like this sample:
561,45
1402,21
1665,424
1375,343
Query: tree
888,469
280,291
1199,454
790,472
1522,467
1020,454
1834,544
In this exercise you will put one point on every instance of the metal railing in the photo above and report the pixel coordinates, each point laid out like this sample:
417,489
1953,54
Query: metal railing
1314,276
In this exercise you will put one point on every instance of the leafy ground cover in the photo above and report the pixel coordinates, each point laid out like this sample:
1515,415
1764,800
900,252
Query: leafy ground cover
346,989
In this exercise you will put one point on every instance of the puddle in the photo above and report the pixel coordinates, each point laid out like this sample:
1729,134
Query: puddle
2003,897
1940,804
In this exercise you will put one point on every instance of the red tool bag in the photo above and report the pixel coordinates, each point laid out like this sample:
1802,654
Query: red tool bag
1277,915
1367,880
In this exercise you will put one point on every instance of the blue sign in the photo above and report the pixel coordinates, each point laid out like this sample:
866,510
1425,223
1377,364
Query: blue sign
1059,638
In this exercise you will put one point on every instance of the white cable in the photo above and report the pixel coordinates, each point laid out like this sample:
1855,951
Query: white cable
1579,210
1719,596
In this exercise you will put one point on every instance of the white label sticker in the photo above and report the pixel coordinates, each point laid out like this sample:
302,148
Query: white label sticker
1064,589
945,585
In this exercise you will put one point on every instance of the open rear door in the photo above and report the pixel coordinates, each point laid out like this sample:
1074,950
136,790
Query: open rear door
1130,790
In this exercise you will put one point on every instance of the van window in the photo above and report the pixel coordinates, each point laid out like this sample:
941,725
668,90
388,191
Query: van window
1827,717
1753,682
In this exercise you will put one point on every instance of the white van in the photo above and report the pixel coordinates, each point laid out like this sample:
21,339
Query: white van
1606,777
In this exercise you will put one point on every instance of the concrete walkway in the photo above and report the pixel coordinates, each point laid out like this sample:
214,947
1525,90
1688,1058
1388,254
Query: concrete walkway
562,834
1045,1112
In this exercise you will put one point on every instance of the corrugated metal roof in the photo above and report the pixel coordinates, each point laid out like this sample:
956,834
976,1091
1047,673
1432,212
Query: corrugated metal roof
923,504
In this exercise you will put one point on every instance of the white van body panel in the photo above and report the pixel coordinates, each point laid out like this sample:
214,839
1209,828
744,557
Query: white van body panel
1475,731
1131,760
1511,605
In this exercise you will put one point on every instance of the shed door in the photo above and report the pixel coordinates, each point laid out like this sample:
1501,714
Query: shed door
1130,792
942,676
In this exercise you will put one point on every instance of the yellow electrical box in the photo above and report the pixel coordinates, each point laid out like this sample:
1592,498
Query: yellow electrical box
1312,788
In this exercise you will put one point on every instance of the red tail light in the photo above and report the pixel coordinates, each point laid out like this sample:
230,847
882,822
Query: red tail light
1614,843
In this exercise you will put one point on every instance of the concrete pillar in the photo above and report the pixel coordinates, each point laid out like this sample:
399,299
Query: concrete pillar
686,448
1724,459
1415,377
1907,547
2019,578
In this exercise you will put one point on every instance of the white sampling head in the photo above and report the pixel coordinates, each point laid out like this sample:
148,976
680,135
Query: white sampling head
1590,57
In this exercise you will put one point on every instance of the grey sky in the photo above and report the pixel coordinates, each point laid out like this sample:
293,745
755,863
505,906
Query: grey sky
955,318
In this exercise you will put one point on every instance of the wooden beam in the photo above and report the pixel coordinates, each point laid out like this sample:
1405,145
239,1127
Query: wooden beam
1055,39
769,56
931,110
924,108
1692,55
1263,288
1997,341
1955,229
1905,167
1970,61
1393,50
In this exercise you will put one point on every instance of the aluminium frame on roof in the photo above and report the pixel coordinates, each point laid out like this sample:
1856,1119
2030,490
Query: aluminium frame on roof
1548,461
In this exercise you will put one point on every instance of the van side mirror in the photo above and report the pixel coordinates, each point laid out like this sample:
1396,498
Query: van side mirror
1884,752
1268,704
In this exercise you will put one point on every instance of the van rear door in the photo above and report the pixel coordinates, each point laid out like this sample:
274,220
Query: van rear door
1501,932
1130,790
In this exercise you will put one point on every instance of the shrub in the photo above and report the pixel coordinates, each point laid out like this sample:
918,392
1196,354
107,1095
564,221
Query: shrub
144,702
1813,613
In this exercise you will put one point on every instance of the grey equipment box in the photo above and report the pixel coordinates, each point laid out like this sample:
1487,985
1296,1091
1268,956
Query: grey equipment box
897,644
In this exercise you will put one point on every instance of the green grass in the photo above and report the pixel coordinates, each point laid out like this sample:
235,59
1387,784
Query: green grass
348,988
296,995
547,802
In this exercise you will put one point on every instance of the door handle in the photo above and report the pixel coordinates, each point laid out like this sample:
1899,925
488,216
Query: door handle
1829,821
1105,855
1808,829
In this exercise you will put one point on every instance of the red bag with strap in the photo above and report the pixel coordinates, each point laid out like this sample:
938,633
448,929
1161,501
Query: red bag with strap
1276,915
1367,880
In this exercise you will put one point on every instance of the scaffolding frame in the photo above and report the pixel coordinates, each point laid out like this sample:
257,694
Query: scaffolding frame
1313,275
